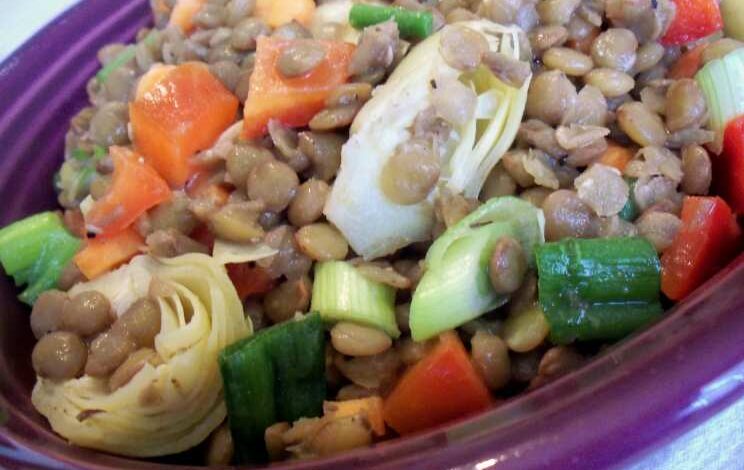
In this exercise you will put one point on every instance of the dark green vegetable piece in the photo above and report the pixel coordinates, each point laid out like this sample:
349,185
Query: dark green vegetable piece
35,250
276,375
411,24
598,289
631,211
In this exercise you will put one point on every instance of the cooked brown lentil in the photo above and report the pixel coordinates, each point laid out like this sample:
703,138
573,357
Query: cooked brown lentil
290,297
697,170
87,314
322,242
357,340
59,356
507,265
274,183
107,352
140,322
307,205
300,58
46,315
410,173
491,358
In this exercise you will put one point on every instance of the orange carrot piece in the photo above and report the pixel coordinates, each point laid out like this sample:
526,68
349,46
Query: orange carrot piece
276,13
178,111
441,387
688,64
292,101
135,188
183,14
370,407
617,156
103,254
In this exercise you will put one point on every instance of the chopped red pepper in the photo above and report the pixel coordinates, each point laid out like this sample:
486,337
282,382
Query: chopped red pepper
136,187
292,101
729,166
103,254
695,19
709,238
178,111
441,387
249,280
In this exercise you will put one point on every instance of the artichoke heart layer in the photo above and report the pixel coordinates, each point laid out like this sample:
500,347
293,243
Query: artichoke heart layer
171,407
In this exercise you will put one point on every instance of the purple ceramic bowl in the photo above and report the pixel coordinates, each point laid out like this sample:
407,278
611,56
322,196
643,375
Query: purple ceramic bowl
641,393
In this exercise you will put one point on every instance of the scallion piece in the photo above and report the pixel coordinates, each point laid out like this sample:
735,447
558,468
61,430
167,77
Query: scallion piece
342,293
35,250
598,289
456,287
411,24
721,81
275,375
21,242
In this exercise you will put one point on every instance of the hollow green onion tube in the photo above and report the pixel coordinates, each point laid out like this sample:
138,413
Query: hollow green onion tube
456,287
598,289
276,375
411,24
342,293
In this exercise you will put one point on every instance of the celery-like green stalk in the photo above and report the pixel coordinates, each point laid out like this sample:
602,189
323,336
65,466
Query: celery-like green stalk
21,242
342,293
721,81
56,253
35,250
456,287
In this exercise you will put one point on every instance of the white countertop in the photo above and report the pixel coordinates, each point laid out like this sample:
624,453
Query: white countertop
716,445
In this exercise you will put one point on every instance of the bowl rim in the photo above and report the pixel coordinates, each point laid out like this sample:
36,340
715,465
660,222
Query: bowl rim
580,419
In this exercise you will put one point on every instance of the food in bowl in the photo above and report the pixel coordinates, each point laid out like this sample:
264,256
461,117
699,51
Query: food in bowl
290,230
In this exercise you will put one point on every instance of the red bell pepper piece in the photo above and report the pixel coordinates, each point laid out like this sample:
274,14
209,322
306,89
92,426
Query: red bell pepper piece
178,111
102,254
292,101
695,19
729,166
709,238
441,387
136,187
249,280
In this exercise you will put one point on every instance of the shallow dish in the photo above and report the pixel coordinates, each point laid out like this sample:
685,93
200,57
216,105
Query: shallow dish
641,393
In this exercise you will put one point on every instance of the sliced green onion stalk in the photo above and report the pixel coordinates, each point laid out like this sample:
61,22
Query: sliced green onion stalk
598,289
456,287
373,224
342,293
35,250
721,81
411,24
278,374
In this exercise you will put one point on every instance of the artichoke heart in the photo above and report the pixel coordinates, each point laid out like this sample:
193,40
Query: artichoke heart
373,224
174,405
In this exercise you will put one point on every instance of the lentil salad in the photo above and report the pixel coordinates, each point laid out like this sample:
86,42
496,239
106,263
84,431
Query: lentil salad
395,320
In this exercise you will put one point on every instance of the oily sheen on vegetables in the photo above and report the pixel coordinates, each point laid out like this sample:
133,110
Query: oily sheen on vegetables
166,408
373,224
